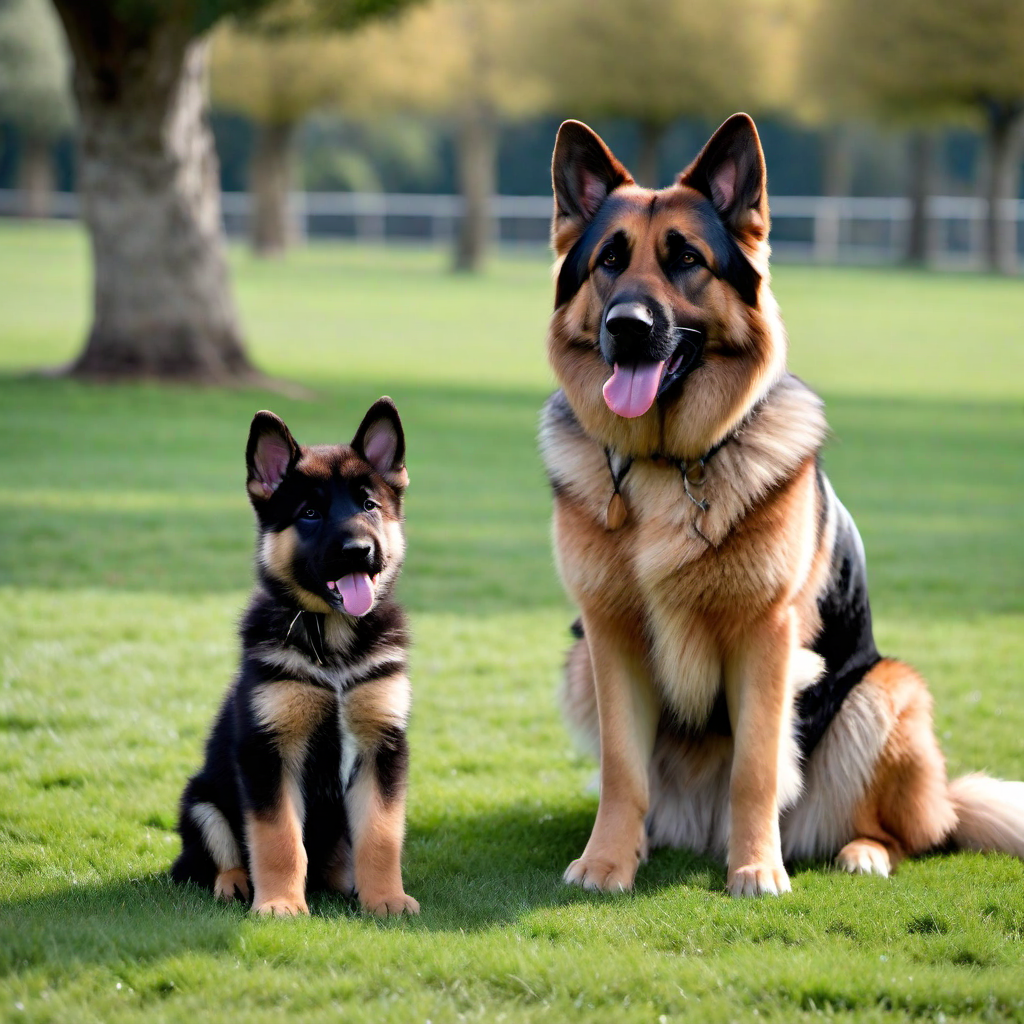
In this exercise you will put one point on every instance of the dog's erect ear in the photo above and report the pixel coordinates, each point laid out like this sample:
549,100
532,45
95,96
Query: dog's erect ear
380,440
269,455
583,172
730,171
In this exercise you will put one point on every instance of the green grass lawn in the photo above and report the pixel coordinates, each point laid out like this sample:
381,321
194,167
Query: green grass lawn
125,551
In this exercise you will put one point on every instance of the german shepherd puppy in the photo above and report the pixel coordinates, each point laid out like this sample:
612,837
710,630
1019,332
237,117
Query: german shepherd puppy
725,670
305,773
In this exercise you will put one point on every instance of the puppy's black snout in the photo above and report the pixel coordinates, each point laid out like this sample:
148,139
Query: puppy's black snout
629,321
359,547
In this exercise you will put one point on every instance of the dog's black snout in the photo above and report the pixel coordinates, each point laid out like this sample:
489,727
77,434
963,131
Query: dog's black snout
628,321
359,547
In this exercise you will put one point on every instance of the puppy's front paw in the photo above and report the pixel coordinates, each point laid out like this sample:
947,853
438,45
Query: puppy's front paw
232,884
758,880
602,874
389,906
282,906
865,857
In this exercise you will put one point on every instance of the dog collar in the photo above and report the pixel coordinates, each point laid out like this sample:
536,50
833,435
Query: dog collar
692,471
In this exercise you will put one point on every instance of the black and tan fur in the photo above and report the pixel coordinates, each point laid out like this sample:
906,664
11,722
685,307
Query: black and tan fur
725,671
304,781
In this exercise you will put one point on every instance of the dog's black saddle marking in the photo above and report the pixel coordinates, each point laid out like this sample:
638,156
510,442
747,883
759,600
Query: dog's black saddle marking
846,640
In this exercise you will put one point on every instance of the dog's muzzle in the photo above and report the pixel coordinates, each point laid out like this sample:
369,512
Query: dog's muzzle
647,355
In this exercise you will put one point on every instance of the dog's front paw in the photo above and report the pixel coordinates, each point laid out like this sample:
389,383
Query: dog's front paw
865,857
389,906
282,906
602,874
232,884
758,880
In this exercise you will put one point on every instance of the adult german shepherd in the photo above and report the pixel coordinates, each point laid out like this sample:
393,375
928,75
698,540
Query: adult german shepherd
725,670
305,773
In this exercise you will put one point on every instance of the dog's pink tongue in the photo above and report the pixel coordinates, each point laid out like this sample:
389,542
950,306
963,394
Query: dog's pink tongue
356,593
631,390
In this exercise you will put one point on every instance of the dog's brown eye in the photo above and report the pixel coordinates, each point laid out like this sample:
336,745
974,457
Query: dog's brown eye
310,513
610,258
689,257
369,505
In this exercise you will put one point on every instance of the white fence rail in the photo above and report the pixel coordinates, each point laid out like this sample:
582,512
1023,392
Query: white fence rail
824,229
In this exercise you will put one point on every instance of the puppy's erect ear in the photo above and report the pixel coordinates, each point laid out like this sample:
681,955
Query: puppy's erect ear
269,455
730,171
583,172
380,440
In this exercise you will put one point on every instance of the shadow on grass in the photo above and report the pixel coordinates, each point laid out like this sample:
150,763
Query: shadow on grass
469,874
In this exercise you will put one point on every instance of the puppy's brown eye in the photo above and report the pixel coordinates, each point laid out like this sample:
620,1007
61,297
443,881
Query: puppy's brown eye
689,257
369,505
609,258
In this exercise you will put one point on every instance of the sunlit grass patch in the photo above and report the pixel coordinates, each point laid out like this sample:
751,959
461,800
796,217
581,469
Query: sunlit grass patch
125,558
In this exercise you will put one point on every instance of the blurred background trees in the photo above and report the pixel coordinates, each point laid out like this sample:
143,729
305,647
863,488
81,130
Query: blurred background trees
465,64
147,176
149,182
276,72
863,97
34,94
928,62
649,61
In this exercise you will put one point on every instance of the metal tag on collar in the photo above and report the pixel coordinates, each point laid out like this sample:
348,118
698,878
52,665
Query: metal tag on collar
616,514
695,472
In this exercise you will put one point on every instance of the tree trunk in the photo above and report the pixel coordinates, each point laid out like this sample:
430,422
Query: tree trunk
651,134
150,195
35,176
922,150
269,187
1005,138
477,155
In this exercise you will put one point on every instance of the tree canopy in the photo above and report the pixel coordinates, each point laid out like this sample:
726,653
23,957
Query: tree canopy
277,65
653,61
920,60
276,79
912,57
440,58
34,91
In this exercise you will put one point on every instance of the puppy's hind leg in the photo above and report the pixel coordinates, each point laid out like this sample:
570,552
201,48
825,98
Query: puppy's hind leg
232,884
210,854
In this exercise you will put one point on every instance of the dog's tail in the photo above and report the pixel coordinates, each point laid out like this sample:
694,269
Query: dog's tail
990,814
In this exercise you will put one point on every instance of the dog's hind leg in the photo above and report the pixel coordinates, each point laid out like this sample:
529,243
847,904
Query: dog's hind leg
232,880
210,854
906,808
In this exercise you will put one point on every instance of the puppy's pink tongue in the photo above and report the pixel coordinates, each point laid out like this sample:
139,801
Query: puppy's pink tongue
356,592
631,390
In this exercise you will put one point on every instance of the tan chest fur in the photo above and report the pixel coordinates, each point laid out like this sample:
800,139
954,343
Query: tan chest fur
688,582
